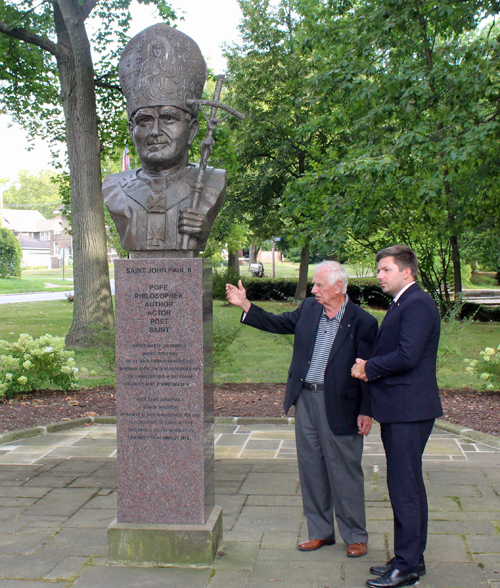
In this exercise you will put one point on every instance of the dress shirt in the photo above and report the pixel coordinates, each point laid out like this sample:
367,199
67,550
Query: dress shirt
325,336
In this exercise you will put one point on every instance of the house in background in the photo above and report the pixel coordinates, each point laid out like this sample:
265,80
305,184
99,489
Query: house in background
44,241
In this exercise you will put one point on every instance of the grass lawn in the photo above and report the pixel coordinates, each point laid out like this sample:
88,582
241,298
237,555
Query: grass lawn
53,318
264,357
42,280
258,356
483,280
34,284
287,269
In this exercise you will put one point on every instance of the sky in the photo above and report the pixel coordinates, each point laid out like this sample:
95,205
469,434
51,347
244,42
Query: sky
209,22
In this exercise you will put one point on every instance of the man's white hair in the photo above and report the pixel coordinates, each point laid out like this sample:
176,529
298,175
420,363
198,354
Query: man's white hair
335,273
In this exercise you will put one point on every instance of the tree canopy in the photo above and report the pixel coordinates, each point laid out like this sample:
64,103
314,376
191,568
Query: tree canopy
282,138
394,107
48,72
34,191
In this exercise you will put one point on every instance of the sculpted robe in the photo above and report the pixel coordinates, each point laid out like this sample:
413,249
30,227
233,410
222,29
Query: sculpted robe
146,210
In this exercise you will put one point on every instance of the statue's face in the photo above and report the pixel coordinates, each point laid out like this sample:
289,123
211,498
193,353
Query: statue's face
162,136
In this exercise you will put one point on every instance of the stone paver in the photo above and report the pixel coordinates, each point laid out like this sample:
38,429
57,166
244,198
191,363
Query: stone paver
58,495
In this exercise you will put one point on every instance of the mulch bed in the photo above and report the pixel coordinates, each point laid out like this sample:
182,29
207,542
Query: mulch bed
465,407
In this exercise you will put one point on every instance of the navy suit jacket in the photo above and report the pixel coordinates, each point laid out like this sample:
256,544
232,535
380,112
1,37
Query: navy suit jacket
345,397
402,371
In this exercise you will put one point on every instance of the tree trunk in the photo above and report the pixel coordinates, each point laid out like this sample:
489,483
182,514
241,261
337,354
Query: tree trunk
301,291
457,273
93,303
233,263
252,253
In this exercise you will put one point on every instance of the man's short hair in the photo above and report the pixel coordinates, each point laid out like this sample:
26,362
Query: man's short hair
404,257
335,273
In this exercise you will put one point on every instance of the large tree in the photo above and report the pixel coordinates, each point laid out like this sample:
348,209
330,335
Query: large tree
280,140
415,86
47,62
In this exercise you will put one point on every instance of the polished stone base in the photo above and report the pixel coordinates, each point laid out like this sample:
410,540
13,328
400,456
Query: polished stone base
165,545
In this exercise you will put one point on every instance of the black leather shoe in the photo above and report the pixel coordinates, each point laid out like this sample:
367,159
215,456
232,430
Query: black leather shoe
381,570
393,579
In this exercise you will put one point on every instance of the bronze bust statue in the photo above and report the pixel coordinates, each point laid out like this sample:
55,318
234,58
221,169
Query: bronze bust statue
156,208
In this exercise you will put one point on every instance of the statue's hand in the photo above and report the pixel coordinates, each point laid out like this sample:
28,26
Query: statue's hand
192,222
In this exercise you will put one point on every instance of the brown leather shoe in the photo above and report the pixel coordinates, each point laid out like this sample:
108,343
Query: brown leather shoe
357,549
314,544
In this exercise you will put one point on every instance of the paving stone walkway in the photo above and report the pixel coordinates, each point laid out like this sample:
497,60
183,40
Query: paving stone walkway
58,495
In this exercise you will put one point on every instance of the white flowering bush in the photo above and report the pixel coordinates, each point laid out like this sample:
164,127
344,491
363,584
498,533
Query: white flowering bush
34,364
487,368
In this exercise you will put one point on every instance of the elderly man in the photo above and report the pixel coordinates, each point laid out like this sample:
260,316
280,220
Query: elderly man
332,410
405,399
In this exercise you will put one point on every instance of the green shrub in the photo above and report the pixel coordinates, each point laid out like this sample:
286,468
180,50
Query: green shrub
361,291
269,289
11,254
219,281
368,293
487,368
33,364
477,312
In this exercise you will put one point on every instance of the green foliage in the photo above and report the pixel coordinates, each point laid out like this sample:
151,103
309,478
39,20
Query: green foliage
361,291
225,345
451,329
466,274
34,364
103,348
480,313
406,93
269,80
487,368
219,281
293,254
227,233
35,192
317,251
30,89
483,280
11,254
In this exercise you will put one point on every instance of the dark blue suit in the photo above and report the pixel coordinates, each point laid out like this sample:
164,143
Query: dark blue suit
329,448
405,401
345,397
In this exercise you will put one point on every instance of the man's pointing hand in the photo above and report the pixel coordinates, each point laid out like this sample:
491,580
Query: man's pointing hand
238,296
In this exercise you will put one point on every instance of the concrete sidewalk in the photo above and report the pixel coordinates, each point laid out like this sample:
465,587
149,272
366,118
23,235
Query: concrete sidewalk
43,296
58,495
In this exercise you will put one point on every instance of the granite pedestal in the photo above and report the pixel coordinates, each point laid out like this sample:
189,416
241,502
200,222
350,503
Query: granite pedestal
164,399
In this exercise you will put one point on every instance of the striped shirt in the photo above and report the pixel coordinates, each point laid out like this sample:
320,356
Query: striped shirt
327,331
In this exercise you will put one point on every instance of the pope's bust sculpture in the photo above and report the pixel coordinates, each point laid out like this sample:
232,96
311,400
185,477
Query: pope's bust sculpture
162,74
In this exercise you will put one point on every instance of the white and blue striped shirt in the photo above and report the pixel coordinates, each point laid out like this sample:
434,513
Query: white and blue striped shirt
327,331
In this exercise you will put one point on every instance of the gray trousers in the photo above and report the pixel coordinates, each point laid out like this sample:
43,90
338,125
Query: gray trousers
331,477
